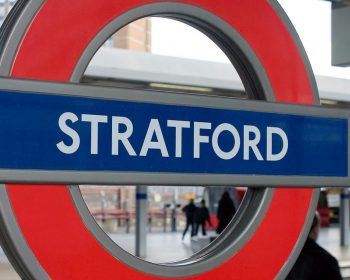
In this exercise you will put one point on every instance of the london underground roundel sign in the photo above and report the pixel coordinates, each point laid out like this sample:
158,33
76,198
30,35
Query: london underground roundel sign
46,229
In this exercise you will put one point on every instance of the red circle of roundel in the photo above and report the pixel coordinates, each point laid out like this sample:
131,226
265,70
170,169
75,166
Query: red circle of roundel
49,221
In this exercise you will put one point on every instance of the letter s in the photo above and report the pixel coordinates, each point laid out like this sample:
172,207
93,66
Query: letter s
62,122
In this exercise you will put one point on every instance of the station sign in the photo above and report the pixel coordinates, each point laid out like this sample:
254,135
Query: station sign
129,138
55,135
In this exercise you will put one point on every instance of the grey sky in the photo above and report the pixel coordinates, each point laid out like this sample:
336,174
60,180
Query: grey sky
311,19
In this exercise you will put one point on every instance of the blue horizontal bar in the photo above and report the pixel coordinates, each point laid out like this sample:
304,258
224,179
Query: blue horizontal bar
31,133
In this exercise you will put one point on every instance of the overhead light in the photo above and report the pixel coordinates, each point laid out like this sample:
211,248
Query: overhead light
328,102
180,87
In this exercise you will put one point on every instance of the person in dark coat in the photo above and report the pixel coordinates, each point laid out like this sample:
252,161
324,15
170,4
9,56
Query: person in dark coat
226,211
314,262
201,216
189,210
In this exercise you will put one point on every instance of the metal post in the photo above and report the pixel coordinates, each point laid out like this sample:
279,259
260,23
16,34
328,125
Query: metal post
164,217
103,206
150,223
127,214
127,222
173,211
141,221
173,218
344,217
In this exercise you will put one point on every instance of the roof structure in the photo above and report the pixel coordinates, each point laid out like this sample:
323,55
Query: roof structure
119,65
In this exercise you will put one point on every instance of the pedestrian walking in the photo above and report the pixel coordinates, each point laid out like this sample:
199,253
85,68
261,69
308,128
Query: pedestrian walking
226,210
189,211
201,217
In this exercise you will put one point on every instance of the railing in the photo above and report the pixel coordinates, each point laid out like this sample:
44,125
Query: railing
160,219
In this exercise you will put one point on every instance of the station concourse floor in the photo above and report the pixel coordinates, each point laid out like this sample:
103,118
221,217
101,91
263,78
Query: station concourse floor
169,247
